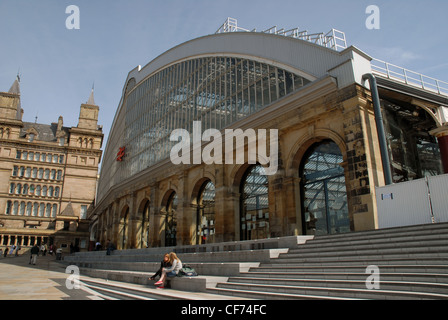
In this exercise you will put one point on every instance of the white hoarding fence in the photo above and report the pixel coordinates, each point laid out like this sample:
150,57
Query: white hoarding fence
422,201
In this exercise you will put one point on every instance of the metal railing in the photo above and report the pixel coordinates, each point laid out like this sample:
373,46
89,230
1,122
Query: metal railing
409,77
334,39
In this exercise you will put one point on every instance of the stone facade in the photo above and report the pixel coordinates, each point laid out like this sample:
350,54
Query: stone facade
48,176
303,119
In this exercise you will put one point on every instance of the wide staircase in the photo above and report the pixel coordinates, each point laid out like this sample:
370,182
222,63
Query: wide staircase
399,263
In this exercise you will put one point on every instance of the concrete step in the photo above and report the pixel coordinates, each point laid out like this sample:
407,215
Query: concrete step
413,259
436,269
391,276
382,243
332,291
441,248
394,285
209,269
240,293
440,228
192,284
262,255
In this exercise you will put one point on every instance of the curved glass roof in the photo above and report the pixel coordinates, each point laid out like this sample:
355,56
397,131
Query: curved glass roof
218,91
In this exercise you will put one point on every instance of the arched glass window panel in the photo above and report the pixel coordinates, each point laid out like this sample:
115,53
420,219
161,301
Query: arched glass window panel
205,219
47,174
324,194
44,191
41,210
15,209
48,210
25,189
54,211
19,189
53,174
254,212
41,173
34,175
32,189
56,191
38,190
51,191
22,208
35,209
29,207
8,207
12,188
59,175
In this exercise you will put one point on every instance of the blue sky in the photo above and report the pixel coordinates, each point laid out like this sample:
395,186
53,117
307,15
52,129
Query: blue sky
58,66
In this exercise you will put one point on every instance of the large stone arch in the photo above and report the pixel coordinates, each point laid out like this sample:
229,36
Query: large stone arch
302,145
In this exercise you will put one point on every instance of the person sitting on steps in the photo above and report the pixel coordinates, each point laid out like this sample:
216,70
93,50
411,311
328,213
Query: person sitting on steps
170,272
164,264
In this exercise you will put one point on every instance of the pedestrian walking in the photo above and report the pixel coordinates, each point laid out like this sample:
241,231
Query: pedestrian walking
34,254
17,251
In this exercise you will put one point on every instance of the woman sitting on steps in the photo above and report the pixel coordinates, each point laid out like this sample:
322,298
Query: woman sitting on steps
172,271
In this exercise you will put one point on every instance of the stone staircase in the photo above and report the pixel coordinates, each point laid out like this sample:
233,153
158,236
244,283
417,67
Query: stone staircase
412,264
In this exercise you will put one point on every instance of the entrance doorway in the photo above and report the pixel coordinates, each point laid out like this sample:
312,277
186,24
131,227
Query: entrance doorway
324,193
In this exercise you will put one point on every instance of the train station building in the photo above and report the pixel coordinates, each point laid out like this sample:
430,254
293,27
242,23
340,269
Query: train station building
341,121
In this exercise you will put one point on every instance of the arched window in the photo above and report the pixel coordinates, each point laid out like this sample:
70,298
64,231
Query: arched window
41,209
22,208
29,207
324,194
35,209
8,207
15,209
48,211
254,204
54,211
205,219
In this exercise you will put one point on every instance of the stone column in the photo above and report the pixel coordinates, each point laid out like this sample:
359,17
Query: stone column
442,137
